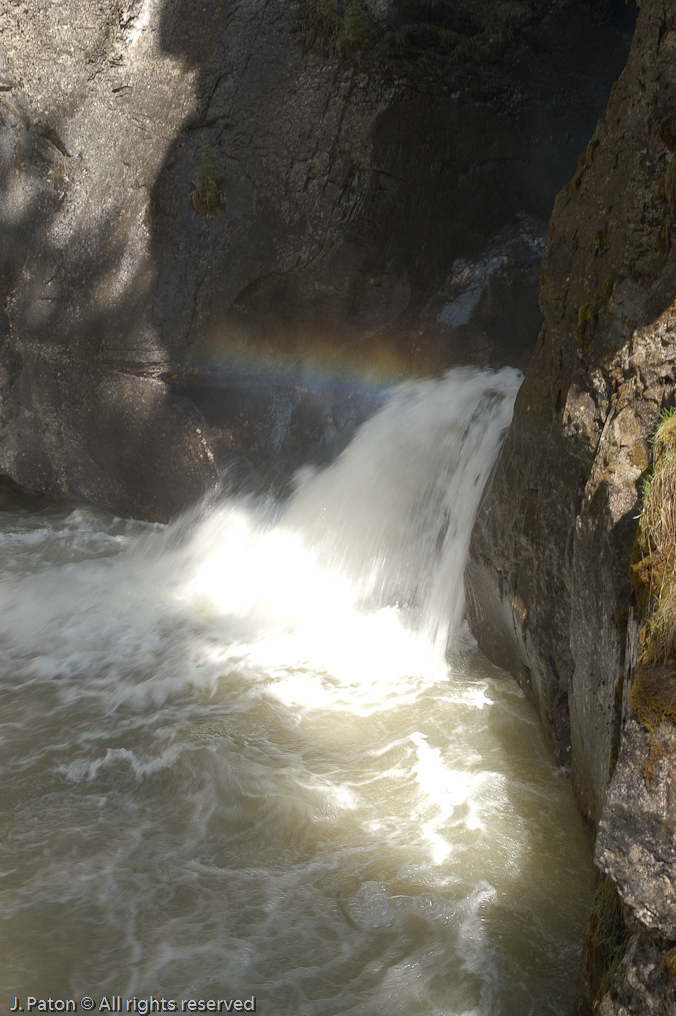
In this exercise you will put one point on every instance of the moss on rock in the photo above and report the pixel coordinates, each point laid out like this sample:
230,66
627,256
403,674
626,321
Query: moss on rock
425,45
653,576
206,195
668,964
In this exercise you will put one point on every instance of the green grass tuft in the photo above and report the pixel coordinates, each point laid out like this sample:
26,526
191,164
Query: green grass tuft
607,934
653,577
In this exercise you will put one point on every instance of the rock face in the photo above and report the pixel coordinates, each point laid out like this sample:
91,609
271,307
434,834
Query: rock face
549,584
640,987
182,189
549,587
636,841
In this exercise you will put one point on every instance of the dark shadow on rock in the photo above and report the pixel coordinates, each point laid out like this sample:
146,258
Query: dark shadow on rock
83,411
548,579
338,200
352,198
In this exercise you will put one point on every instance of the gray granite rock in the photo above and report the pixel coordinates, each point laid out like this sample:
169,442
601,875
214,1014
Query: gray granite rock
636,839
345,196
639,987
548,580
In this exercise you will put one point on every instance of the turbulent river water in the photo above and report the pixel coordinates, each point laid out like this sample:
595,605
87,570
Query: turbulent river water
255,753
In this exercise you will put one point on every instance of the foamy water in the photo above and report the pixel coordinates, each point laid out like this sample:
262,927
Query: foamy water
255,752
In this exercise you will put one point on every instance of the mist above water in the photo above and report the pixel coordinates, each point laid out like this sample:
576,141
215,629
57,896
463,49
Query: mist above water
255,752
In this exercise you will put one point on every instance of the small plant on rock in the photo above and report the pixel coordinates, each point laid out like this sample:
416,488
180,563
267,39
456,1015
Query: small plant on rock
587,318
653,576
667,189
356,26
668,964
669,186
338,31
322,28
583,164
206,196
607,934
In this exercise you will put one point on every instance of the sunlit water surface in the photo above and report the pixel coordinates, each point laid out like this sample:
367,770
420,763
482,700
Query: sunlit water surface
238,759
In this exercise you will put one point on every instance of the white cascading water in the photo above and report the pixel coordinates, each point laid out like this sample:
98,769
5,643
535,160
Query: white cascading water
395,514
239,759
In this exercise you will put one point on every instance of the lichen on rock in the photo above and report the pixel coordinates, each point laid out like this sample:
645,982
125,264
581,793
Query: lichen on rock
636,841
557,529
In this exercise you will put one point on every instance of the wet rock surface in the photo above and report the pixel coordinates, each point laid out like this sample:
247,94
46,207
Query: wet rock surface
636,840
262,427
549,585
182,190
640,987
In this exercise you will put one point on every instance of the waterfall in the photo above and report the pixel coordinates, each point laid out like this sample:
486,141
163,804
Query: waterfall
239,761
362,572
395,512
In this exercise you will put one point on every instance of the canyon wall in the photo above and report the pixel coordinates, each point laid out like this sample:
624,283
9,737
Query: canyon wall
183,189
549,584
